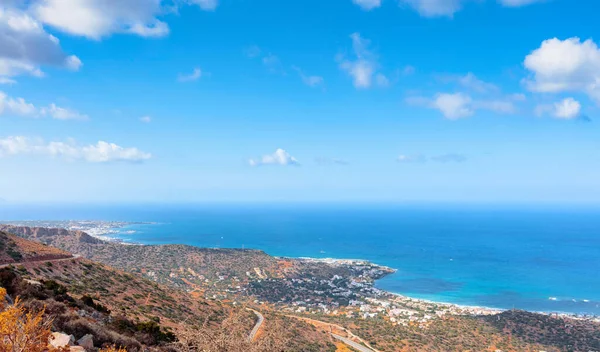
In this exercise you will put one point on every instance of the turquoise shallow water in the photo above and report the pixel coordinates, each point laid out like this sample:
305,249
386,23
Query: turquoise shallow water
527,257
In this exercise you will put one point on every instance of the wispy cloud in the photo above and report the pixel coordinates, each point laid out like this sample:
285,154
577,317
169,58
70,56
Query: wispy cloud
309,80
279,157
253,51
363,67
194,76
269,60
58,113
459,105
448,8
442,158
20,107
470,82
101,152
5,80
207,5
146,119
368,5
273,64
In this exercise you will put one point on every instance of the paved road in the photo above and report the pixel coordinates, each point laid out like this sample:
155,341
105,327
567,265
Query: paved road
340,328
43,260
259,323
337,327
352,344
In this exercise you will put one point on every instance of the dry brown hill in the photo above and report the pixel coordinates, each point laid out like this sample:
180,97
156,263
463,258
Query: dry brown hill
85,297
14,249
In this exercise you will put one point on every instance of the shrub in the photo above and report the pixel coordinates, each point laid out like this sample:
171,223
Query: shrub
20,330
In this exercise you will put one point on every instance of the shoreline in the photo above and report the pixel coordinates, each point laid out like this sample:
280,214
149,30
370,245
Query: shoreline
110,231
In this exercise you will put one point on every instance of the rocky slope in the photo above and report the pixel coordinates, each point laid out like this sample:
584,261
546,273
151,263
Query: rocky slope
15,249
113,307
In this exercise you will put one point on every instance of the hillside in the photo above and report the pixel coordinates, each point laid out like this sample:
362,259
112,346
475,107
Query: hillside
84,297
16,249
215,273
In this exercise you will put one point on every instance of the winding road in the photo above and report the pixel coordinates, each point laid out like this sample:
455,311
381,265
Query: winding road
257,326
320,324
352,344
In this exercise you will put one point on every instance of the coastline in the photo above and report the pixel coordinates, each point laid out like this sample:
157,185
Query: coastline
112,231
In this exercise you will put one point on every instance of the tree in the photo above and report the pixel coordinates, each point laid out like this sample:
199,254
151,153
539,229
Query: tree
22,331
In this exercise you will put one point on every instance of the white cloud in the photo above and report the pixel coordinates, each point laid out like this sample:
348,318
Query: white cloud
25,46
565,65
146,119
455,106
368,4
156,29
13,146
96,19
73,63
311,81
105,152
194,76
18,106
101,152
363,68
279,157
566,109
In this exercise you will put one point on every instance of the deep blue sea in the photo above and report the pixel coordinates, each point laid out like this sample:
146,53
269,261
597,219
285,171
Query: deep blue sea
538,258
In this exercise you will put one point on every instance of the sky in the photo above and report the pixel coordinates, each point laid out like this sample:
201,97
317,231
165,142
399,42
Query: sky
308,100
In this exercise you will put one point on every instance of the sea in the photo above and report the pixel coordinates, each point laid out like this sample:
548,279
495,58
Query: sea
542,258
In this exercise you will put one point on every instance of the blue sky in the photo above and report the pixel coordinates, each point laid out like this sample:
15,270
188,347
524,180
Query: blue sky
270,100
